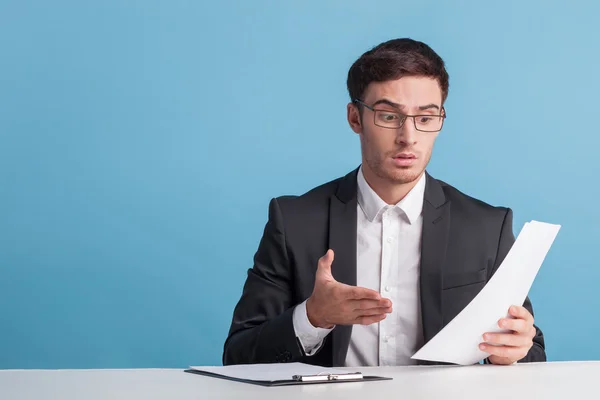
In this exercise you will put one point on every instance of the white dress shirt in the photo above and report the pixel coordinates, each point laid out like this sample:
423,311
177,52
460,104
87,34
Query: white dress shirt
388,246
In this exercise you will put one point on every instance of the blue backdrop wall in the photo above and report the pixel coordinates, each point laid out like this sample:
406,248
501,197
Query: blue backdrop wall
141,141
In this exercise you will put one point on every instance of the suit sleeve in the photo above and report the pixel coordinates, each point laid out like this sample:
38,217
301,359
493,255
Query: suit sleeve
537,353
262,328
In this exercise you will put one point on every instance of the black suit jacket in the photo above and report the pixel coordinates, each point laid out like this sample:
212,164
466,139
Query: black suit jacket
464,241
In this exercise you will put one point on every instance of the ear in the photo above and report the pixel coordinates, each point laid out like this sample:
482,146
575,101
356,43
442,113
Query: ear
354,117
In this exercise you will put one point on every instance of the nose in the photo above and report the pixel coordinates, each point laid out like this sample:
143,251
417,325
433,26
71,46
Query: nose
407,134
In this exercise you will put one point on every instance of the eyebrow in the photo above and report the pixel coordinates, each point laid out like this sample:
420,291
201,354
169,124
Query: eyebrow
428,106
400,106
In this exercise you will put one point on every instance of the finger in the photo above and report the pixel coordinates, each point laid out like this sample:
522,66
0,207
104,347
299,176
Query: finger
370,320
326,261
374,311
521,313
532,332
507,339
512,353
500,360
360,293
517,325
369,304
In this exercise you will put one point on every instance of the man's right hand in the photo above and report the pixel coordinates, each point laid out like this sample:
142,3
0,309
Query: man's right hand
333,303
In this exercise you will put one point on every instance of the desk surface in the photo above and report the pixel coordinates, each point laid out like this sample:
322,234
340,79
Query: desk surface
524,381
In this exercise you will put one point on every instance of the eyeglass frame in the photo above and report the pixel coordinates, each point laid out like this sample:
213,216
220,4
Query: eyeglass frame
406,116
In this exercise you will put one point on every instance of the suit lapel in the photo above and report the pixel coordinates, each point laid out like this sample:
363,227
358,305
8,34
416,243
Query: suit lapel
342,240
436,224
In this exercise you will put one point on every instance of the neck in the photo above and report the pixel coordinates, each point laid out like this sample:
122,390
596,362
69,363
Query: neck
389,191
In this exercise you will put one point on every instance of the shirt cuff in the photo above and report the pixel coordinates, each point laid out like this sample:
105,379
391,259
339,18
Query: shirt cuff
310,337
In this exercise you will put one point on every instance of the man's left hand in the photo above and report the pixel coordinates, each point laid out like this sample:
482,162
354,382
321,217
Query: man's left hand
508,348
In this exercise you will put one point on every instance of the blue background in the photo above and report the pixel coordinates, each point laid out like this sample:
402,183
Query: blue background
141,141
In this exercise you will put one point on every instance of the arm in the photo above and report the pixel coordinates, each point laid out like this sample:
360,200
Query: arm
262,329
266,323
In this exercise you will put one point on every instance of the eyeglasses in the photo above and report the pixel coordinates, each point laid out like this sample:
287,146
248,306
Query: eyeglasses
395,120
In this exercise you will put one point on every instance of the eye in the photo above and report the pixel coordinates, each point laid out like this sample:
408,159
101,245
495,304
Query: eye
388,117
425,119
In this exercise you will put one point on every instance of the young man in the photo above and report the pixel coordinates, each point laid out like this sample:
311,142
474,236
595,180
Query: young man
367,268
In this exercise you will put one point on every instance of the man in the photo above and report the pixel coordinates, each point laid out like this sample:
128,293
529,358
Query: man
367,268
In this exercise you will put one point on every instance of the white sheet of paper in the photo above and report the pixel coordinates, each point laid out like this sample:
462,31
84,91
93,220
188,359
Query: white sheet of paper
458,342
269,372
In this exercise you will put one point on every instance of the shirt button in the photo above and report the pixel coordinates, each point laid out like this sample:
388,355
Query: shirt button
387,288
389,239
386,338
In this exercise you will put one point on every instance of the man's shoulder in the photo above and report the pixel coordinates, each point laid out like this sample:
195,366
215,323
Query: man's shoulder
462,202
317,195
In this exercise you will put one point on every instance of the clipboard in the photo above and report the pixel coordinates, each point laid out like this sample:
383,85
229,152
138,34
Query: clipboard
326,375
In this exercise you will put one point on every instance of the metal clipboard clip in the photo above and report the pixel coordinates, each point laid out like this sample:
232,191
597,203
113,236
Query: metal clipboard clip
328,377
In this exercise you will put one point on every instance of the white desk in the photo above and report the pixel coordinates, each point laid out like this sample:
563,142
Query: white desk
528,381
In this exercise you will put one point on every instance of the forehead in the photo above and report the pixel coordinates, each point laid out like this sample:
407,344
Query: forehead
410,91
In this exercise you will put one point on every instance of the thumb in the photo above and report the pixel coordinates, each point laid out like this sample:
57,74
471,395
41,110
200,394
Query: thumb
326,261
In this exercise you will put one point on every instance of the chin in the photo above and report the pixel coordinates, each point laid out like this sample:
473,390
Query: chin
403,176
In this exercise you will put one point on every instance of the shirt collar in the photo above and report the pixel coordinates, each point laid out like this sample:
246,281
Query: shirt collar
373,205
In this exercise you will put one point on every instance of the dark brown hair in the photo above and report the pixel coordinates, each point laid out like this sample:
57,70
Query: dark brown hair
393,60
